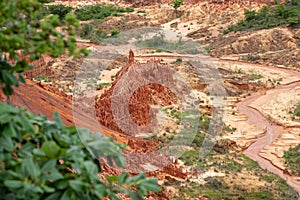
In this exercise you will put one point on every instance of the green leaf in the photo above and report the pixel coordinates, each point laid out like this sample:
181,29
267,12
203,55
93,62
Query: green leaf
68,194
26,124
49,166
9,78
151,185
113,196
51,149
91,167
32,168
38,152
134,195
6,143
61,184
120,160
5,117
16,175
37,189
26,150
136,178
21,79
77,185
9,129
54,176
123,178
13,184
57,120
112,178
72,129
48,189
54,196
100,190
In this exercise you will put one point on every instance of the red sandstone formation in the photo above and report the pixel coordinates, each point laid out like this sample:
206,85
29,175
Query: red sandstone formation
134,103
46,99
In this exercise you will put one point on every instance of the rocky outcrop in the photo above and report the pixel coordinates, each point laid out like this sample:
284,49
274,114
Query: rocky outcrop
132,93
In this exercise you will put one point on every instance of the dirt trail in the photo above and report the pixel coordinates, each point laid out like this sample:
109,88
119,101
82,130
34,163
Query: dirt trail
272,132
257,119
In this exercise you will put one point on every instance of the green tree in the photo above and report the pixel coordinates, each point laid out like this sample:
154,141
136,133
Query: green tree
23,35
41,159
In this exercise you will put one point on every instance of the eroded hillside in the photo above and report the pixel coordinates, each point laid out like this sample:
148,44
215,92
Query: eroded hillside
260,99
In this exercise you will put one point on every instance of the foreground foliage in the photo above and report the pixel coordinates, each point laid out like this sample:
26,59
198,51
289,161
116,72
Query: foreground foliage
41,159
25,37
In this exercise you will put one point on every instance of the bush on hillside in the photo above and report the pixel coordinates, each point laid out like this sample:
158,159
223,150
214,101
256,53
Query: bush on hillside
41,159
287,14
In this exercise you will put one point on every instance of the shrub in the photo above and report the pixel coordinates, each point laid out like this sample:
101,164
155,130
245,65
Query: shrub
287,14
41,159
88,31
114,32
99,12
141,11
60,10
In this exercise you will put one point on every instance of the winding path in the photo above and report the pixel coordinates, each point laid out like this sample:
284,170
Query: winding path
272,132
256,118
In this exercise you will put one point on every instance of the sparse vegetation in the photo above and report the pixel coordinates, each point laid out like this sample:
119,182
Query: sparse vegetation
141,11
99,12
41,78
228,187
250,58
229,129
292,160
257,76
287,14
176,3
159,42
102,85
177,61
297,111
88,31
